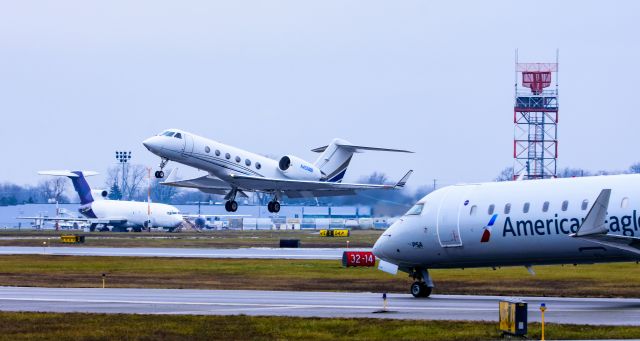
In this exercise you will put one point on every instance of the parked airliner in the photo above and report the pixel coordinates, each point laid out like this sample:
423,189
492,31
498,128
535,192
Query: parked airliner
118,214
233,171
515,223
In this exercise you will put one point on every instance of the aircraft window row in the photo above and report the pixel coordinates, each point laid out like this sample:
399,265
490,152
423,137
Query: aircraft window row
228,156
545,206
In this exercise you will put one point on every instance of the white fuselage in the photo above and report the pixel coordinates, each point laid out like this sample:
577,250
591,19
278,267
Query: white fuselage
532,225
136,213
216,158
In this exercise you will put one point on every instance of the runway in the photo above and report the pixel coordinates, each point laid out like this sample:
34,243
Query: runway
254,253
593,311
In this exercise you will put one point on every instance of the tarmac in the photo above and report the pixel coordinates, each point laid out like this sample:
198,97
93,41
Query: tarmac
254,253
593,311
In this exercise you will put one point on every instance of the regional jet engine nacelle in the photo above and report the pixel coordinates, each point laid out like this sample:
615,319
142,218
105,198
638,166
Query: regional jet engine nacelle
99,194
296,168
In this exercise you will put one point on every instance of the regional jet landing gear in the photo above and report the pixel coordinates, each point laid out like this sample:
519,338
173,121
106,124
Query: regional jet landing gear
163,162
423,284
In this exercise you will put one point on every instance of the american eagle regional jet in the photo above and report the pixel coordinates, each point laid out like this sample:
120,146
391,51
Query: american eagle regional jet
515,223
233,171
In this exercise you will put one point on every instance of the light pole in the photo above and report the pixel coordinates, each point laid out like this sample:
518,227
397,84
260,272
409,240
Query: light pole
123,157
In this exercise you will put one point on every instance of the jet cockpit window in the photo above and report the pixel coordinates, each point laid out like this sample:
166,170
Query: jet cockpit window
415,210
167,133
178,136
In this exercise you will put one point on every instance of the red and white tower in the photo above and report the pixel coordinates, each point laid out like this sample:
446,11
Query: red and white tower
535,118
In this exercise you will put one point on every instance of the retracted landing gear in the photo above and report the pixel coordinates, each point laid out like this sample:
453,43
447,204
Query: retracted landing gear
160,174
423,285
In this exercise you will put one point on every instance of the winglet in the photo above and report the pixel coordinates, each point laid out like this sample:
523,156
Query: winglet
594,222
403,181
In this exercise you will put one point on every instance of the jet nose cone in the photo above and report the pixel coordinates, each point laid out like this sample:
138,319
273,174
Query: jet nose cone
379,248
151,143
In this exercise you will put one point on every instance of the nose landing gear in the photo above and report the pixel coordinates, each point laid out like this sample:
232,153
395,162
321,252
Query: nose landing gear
160,174
423,285
231,206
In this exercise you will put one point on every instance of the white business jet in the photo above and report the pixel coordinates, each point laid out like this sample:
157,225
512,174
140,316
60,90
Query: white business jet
233,171
98,211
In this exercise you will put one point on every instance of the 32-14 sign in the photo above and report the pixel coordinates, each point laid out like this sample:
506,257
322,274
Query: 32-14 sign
358,258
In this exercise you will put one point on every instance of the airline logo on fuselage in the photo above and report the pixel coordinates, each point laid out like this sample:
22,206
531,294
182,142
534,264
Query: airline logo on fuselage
627,224
486,231
307,168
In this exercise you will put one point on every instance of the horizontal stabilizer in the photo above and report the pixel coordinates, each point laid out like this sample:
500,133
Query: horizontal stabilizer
355,148
67,173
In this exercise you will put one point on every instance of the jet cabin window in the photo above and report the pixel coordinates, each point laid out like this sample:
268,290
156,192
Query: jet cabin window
565,205
585,204
207,149
258,165
491,209
525,208
415,210
545,206
507,208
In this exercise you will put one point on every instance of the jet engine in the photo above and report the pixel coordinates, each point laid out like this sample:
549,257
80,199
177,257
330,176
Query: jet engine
99,194
296,168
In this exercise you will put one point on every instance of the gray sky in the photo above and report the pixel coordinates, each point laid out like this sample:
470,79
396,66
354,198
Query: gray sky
80,79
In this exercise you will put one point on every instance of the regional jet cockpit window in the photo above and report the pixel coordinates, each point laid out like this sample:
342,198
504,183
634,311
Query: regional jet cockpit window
178,136
167,133
416,209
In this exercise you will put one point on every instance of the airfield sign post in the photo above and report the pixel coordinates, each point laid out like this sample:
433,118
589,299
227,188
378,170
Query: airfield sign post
543,307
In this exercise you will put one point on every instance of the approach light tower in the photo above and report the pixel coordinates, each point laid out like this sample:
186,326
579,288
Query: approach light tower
535,118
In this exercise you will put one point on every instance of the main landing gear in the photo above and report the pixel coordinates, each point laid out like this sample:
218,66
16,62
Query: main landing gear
160,174
273,206
423,285
231,205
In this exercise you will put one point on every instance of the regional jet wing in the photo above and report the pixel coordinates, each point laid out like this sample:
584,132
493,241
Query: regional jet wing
299,188
207,183
594,228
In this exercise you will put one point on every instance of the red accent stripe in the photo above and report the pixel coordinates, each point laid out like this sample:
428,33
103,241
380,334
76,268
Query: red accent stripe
485,236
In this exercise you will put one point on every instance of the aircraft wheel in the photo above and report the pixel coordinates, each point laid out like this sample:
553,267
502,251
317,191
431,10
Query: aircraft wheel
420,289
226,206
276,207
159,174
233,206
270,206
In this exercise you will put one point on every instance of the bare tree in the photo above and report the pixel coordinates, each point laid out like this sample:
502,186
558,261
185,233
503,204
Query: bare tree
53,189
135,177
505,175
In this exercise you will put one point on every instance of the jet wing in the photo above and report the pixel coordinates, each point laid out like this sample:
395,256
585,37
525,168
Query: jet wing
299,188
107,221
54,218
594,228
207,183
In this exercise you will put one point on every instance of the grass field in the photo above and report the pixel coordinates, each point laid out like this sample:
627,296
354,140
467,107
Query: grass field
75,326
604,280
206,239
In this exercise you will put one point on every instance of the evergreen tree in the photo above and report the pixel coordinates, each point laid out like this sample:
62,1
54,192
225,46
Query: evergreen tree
115,193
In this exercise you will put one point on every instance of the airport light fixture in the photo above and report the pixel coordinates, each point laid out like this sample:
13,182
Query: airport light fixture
123,157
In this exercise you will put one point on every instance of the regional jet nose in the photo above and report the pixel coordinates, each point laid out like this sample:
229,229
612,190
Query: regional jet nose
379,248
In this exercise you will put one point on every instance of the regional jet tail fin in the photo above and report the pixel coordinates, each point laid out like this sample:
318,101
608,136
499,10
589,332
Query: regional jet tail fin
335,157
594,228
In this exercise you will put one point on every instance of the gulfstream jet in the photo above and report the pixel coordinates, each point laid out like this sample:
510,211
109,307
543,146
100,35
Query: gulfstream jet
515,223
233,171
118,214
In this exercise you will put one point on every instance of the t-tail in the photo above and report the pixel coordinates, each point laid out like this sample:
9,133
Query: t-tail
335,158
80,184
